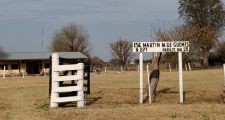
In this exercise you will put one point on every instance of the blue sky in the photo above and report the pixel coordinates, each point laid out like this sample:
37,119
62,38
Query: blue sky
21,21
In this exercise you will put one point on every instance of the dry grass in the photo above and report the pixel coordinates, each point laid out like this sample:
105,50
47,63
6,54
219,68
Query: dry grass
115,96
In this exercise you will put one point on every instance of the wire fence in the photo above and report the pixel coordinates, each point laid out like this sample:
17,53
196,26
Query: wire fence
163,67
114,96
118,96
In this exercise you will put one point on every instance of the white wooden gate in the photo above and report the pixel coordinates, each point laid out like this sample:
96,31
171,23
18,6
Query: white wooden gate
56,78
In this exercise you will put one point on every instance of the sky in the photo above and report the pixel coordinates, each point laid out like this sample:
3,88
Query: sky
21,21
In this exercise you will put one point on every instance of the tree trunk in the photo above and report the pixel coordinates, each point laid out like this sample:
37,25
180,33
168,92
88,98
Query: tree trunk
154,76
205,59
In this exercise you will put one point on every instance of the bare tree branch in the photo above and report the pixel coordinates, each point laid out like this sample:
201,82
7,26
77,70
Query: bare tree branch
71,38
122,50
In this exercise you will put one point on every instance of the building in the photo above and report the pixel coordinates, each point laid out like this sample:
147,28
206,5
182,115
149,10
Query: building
17,63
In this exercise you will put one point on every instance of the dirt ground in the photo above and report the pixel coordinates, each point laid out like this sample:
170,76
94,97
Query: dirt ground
115,96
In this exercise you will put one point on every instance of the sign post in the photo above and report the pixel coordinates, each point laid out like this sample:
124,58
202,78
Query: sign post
180,77
141,78
173,46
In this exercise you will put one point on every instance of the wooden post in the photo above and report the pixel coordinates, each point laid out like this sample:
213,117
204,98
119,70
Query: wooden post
56,79
105,70
189,66
186,67
45,74
80,84
224,71
54,95
43,68
141,78
24,70
149,87
23,74
4,72
170,67
180,77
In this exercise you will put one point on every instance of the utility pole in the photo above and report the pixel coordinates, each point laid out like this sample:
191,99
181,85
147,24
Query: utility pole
42,38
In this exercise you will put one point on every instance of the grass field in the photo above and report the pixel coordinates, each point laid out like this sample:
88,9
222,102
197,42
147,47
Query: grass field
115,96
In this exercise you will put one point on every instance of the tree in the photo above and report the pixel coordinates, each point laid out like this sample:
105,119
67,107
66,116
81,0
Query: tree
122,50
207,16
217,56
178,33
221,51
96,62
205,40
114,61
203,13
71,38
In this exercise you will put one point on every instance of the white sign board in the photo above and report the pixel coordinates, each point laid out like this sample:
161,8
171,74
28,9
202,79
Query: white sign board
174,46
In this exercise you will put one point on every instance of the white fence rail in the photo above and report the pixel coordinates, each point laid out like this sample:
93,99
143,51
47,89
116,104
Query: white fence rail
56,78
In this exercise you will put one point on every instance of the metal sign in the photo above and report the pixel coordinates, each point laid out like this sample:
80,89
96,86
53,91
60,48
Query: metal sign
174,46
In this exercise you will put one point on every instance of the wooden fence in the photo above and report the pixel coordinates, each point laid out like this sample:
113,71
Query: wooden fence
57,78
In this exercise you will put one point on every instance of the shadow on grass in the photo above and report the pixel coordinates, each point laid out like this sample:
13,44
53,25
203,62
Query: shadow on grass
89,101
167,91
44,106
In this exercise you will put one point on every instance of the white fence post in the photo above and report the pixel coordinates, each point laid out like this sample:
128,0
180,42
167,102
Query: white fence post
141,78
80,84
23,71
121,68
55,84
105,70
180,76
56,89
170,67
149,87
189,66
4,72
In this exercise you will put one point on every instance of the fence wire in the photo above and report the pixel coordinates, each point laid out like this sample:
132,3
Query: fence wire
114,96
117,96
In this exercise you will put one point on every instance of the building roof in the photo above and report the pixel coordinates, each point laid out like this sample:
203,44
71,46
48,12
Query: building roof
40,55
